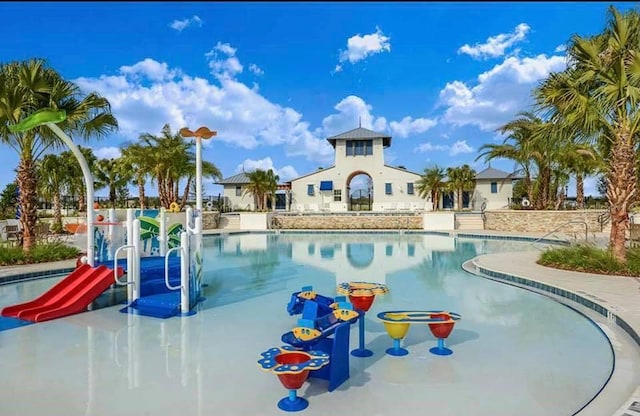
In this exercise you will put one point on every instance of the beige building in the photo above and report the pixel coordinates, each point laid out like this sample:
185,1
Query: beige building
390,188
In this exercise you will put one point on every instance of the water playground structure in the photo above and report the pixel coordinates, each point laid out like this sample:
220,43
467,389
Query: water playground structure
397,323
318,346
159,284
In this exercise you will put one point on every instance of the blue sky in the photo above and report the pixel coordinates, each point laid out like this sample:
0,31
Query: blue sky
276,79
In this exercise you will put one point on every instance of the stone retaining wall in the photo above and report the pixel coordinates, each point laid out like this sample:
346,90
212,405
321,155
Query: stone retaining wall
210,220
348,222
543,221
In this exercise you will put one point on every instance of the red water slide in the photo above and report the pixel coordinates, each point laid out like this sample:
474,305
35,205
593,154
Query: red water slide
70,295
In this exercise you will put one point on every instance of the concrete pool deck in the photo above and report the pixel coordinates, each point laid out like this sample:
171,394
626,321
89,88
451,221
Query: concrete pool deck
617,296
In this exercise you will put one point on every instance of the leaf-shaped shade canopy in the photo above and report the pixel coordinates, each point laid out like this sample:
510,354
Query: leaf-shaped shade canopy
38,118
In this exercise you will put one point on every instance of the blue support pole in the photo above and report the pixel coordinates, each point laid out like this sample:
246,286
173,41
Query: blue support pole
361,351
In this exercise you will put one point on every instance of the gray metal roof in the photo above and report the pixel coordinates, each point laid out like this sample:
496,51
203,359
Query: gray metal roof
360,133
239,179
492,173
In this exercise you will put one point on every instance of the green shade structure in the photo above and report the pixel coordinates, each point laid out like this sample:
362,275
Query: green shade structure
49,117
39,118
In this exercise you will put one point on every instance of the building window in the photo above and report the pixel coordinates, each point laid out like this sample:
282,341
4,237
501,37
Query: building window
359,147
409,188
387,188
494,187
238,190
337,195
310,189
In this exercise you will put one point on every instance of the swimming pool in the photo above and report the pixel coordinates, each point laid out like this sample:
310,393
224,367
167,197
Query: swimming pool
515,352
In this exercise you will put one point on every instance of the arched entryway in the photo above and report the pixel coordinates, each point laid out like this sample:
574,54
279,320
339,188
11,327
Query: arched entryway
360,191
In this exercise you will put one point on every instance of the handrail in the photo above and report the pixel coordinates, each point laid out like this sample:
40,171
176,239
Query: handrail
586,230
166,267
603,219
115,264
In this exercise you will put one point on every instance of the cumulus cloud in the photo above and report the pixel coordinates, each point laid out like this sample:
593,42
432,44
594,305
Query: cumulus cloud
457,148
256,69
144,100
460,146
285,173
408,126
496,46
180,25
224,65
499,94
359,47
353,111
108,152
560,48
150,69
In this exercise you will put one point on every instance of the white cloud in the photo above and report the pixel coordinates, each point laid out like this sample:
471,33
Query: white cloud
109,152
256,69
495,46
241,116
460,146
359,47
285,173
408,126
430,147
560,48
457,148
225,67
351,111
153,70
180,25
500,93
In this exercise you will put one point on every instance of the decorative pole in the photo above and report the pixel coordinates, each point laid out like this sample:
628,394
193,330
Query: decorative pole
202,133
49,118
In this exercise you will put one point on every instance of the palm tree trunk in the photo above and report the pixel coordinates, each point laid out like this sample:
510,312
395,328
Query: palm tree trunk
185,194
81,202
459,195
580,191
621,190
28,200
141,194
57,211
112,196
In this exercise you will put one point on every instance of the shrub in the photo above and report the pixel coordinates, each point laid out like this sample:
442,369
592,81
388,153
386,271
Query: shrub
40,253
590,259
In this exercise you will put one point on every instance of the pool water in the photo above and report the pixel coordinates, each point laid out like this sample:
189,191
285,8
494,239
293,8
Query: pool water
514,352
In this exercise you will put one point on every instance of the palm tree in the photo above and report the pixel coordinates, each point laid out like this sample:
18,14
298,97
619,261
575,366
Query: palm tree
75,181
599,95
53,174
431,184
261,184
137,157
113,174
171,158
26,87
461,179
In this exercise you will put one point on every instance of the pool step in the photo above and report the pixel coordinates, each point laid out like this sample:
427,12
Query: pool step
163,305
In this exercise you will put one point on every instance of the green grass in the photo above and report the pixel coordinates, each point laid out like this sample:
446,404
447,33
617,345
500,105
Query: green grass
590,259
41,253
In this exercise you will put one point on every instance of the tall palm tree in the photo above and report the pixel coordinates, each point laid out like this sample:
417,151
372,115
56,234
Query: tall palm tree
53,175
431,184
25,87
461,179
74,185
114,174
137,157
171,158
261,184
599,94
